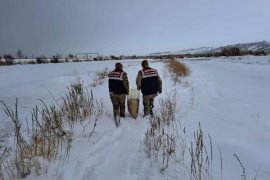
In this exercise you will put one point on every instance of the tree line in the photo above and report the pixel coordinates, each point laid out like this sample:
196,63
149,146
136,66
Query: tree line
8,59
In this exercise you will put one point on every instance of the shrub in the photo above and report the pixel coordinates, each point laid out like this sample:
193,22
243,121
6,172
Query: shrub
3,63
159,139
9,60
232,51
31,62
99,77
42,60
166,142
177,70
259,53
55,59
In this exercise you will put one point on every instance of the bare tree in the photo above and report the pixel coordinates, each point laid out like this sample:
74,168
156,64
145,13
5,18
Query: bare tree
19,54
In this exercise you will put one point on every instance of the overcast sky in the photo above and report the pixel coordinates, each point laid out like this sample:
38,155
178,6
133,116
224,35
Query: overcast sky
47,27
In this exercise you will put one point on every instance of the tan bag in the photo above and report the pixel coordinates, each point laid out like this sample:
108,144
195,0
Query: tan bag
133,100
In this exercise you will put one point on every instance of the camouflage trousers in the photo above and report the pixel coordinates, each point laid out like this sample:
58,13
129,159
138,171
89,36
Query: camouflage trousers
148,104
118,101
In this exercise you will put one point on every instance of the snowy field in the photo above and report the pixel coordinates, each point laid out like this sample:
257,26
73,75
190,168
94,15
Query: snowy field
228,96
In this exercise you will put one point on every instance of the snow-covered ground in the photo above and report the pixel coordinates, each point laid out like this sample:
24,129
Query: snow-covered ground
228,96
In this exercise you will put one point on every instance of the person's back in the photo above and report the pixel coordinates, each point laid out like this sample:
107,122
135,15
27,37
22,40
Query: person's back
118,82
149,82
118,89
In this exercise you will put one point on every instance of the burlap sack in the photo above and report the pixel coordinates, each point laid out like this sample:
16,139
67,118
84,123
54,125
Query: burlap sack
133,100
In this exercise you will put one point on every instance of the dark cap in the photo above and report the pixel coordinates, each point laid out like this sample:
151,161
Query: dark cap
118,66
145,63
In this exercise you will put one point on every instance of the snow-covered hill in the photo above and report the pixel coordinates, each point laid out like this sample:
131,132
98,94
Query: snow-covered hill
185,51
255,46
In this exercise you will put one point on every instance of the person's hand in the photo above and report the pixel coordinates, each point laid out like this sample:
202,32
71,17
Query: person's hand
139,88
160,91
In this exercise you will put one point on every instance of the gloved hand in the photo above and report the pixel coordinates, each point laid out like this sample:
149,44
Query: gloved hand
160,91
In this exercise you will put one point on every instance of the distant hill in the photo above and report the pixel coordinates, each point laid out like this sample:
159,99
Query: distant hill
254,46
186,51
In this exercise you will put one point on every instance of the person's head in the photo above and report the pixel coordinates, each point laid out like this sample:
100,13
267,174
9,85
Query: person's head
145,63
118,66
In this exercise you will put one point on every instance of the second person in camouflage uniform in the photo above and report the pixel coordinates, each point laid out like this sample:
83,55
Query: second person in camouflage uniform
118,88
149,82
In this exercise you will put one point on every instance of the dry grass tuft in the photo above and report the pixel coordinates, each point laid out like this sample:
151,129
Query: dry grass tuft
24,159
159,138
177,70
201,160
165,142
47,137
99,77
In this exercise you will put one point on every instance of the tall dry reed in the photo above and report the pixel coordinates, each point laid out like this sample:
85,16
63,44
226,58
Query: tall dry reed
46,137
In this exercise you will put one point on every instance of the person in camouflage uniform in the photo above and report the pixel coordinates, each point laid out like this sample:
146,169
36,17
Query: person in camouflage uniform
149,82
118,89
